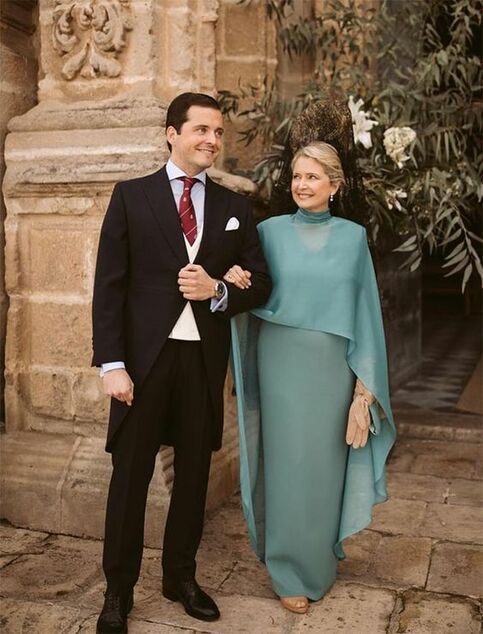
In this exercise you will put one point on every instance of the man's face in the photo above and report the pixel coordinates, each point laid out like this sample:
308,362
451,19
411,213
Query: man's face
199,141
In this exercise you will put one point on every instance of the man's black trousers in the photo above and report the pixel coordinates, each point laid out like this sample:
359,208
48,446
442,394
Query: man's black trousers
173,407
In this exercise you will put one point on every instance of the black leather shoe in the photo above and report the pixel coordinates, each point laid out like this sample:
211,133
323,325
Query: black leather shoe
113,617
195,601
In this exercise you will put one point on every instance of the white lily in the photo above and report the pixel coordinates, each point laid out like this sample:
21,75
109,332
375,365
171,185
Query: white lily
361,123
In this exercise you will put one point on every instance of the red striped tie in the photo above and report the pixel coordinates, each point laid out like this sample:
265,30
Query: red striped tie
187,211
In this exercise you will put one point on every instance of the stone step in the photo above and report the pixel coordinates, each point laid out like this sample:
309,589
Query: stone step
437,425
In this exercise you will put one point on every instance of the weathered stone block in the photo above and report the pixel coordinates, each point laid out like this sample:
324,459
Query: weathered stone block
454,523
207,63
90,428
348,607
18,333
360,550
398,517
137,625
18,72
428,614
12,255
403,561
248,577
84,489
258,616
48,392
15,407
32,467
466,492
441,459
411,486
400,460
457,569
180,36
89,400
57,259
244,29
6,560
436,458
72,162
61,334
229,73
59,205
19,617
457,459
53,573
15,541
227,531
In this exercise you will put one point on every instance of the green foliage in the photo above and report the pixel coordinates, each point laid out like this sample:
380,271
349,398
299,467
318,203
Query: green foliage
414,64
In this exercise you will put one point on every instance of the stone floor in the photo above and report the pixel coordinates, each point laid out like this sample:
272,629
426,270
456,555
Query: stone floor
417,570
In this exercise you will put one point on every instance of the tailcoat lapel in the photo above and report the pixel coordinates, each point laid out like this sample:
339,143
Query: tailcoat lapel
160,197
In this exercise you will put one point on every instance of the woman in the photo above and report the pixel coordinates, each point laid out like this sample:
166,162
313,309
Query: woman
309,367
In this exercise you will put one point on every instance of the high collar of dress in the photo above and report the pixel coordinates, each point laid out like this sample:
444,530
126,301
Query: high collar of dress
312,217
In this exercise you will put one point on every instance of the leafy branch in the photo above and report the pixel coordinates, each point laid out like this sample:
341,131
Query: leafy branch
415,66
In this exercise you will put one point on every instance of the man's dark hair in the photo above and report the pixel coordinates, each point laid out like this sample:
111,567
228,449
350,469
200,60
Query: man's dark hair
178,109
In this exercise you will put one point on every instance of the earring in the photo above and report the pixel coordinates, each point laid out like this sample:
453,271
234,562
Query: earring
331,198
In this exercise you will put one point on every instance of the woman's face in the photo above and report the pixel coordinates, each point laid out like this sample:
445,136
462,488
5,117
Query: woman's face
311,186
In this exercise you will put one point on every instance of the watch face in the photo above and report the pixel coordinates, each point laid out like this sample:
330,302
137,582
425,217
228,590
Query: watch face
219,289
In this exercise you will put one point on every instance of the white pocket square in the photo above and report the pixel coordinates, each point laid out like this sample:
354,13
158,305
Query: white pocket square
232,224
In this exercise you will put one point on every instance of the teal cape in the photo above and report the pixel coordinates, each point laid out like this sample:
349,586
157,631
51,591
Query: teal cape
323,280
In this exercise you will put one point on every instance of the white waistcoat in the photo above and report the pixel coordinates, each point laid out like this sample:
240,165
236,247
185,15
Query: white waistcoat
185,328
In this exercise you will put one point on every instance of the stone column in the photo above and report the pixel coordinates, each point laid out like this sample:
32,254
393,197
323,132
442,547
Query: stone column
18,58
108,68
245,55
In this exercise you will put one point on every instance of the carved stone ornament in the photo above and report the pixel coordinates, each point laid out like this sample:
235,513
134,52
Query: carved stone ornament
94,31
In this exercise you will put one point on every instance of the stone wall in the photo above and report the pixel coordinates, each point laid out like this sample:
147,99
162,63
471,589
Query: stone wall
246,54
18,93
103,89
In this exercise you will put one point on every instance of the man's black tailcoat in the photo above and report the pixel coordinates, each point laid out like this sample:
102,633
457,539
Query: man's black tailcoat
136,296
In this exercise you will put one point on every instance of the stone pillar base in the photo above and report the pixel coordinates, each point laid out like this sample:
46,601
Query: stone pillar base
58,483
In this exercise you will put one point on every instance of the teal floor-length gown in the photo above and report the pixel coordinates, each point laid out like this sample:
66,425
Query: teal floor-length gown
295,363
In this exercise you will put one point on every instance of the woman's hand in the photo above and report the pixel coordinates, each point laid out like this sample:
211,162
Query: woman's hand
238,276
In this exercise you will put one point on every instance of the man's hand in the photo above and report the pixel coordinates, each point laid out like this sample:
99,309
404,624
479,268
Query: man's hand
238,276
118,384
195,283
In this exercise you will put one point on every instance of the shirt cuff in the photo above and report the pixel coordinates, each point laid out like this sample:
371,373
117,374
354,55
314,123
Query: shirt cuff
114,365
222,303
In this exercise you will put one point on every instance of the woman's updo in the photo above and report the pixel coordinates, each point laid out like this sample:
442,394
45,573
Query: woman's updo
327,157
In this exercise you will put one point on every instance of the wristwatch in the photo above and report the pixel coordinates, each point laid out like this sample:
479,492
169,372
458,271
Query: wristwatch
219,289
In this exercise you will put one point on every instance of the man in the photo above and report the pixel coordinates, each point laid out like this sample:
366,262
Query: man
161,335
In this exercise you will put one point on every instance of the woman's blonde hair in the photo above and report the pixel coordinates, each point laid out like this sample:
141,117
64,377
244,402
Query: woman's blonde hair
326,155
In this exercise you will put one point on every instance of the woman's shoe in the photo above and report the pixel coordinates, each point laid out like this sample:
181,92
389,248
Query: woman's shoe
295,604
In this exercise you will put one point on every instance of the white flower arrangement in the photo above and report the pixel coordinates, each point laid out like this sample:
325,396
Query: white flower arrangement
361,123
396,140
